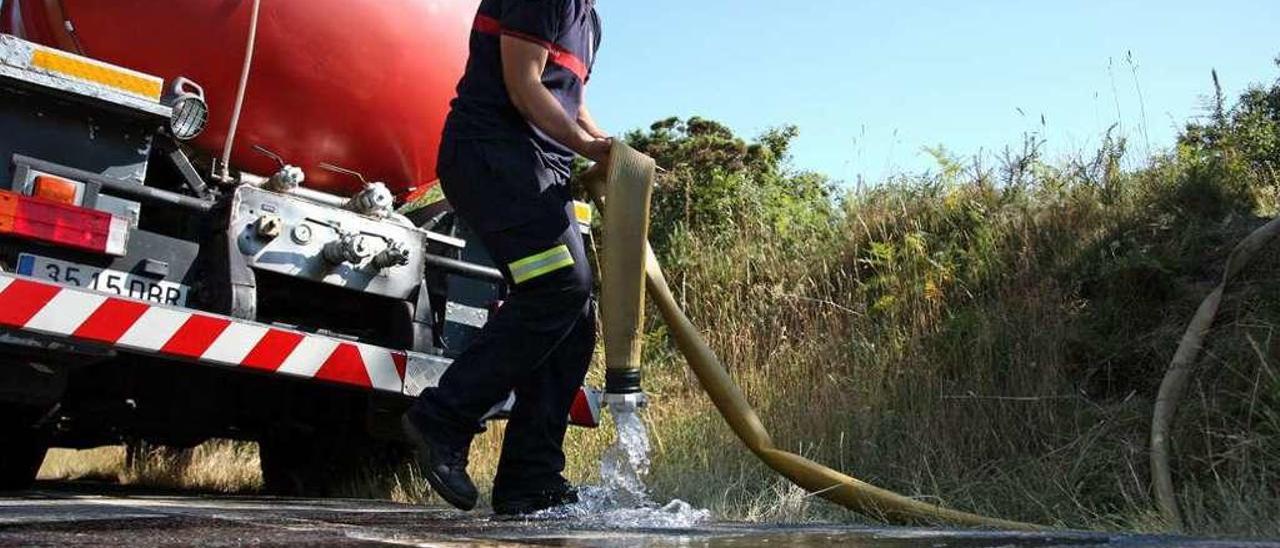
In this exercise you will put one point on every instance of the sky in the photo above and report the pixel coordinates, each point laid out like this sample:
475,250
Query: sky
871,83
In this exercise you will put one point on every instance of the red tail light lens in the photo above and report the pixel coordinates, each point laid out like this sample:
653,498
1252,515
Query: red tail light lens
58,223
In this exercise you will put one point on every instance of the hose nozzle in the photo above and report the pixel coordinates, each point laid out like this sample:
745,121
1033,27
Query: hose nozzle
622,390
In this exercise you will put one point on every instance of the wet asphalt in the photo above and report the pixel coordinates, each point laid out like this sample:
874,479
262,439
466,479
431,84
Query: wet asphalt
63,514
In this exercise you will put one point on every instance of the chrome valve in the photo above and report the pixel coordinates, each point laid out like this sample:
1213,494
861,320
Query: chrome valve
286,179
375,201
396,254
350,247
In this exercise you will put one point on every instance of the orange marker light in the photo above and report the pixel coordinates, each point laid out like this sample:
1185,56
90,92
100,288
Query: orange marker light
8,211
56,189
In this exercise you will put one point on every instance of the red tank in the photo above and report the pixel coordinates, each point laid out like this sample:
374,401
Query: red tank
363,84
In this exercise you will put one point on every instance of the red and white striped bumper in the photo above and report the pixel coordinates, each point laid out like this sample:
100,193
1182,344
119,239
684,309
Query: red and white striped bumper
140,327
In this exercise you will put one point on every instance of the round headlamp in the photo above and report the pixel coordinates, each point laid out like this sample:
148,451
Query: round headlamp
190,111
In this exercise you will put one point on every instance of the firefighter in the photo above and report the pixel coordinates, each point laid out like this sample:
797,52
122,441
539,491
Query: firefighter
510,138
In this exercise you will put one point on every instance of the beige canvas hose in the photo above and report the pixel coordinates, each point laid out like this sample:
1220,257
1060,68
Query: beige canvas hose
631,174
1178,376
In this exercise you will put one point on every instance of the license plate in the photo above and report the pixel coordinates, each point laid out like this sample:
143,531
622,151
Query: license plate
104,280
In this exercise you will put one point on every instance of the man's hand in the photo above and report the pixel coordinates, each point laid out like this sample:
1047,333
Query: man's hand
598,150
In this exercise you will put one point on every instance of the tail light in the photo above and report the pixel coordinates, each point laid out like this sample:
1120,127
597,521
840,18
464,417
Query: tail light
50,221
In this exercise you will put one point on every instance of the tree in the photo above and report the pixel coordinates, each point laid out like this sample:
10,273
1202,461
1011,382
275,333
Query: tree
719,185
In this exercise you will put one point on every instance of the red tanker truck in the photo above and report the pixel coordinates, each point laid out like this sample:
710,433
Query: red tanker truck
220,219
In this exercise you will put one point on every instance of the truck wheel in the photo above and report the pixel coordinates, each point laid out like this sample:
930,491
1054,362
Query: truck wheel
22,452
290,467
354,468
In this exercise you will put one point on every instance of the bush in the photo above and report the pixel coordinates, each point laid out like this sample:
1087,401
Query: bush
719,185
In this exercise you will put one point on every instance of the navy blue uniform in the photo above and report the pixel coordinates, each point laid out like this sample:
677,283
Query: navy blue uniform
508,181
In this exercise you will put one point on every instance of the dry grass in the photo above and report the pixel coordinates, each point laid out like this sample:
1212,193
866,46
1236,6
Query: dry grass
216,466
994,350
103,464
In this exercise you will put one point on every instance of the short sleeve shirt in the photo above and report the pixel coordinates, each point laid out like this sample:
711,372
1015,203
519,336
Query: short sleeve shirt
569,29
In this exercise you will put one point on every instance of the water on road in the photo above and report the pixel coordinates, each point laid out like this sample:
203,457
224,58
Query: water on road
62,514
622,500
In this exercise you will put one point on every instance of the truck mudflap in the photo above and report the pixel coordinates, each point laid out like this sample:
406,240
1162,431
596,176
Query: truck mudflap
189,336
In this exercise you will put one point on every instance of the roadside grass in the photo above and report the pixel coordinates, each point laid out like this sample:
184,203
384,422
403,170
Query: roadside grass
219,466
99,464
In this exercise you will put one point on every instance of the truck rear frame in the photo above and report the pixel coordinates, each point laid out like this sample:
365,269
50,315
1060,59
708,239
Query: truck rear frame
144,300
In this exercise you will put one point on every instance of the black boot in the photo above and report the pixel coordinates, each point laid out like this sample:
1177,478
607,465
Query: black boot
519,505
444,467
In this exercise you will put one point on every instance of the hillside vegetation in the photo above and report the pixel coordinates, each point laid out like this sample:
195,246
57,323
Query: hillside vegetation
989,335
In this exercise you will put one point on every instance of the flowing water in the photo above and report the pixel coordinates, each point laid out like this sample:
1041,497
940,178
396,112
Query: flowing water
622,500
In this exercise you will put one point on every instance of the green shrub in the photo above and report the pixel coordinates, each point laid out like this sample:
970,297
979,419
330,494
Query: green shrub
991,335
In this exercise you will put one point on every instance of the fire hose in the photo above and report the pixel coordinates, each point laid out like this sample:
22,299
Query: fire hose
1181,367
627,183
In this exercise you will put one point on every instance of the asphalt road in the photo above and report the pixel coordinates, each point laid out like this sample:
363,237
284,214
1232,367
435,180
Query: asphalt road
105,515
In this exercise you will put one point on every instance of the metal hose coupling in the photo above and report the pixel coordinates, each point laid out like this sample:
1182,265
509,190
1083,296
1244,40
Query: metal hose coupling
349,247
622,392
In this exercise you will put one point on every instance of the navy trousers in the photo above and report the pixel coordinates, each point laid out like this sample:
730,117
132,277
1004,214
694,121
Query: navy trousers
540,342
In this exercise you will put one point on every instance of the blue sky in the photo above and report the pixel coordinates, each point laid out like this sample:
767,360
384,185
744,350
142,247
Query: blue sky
870,83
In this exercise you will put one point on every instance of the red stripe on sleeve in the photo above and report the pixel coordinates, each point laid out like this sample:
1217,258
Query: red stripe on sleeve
558,55
22,300
487,25
272,350
345,366
111,320
195,336
568,60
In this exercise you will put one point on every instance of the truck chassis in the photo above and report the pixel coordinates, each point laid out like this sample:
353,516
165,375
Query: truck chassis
145,300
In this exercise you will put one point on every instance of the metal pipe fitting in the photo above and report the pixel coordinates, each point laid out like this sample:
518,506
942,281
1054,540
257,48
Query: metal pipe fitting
375,201
286,180
350,247
464,269
396,254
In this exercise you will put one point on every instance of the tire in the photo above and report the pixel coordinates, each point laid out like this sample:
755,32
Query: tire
21,453
297,466
289,467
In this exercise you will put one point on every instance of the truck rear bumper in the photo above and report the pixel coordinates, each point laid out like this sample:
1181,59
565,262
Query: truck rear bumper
183,335
129,325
